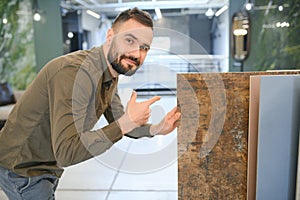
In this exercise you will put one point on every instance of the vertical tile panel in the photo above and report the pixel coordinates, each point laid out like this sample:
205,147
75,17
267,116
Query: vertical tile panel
279,118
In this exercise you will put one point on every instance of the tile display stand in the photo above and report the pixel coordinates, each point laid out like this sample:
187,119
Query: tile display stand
213,134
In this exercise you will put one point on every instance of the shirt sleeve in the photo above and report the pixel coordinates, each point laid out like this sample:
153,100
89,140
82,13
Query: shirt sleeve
72,113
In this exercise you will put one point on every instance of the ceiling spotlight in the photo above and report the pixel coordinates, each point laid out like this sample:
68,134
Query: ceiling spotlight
70,35
4,21
248,6
209,13
37,16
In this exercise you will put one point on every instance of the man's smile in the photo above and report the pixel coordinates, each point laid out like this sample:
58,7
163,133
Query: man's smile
130,62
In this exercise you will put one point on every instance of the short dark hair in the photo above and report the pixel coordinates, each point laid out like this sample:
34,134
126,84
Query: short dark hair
135,13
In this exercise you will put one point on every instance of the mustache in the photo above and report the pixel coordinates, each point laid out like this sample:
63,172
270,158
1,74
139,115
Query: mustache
135,60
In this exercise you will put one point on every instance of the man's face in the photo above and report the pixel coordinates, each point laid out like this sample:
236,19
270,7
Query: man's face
129,46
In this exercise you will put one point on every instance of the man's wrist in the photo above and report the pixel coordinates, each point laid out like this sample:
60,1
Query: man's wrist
154,130
125,124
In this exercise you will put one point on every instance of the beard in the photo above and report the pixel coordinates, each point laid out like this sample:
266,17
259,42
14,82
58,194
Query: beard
116,62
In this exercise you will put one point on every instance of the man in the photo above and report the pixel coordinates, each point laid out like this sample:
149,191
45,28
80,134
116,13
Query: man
50,126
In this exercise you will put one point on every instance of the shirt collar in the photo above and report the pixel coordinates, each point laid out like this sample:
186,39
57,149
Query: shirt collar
107,77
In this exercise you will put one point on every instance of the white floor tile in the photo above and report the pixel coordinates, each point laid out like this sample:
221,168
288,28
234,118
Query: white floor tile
2,195
150,155
90,174
144,195
154,144
164,179
80,195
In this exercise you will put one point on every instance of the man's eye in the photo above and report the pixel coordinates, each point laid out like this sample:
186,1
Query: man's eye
144,48
129,41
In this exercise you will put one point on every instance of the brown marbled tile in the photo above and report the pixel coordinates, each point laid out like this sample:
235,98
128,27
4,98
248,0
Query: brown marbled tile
213,135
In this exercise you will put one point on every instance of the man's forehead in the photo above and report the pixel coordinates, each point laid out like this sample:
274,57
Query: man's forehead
136,29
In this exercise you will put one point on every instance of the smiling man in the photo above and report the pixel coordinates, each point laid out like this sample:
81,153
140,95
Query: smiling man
51,125
132,46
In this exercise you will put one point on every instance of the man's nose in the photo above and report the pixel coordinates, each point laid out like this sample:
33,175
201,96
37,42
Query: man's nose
135,52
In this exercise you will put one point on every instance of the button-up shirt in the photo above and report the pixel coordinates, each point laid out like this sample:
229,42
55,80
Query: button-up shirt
51,126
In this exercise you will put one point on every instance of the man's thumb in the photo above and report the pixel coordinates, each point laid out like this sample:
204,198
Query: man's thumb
133,97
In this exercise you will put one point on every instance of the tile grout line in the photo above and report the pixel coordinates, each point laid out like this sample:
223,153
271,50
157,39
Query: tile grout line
115,190
118,171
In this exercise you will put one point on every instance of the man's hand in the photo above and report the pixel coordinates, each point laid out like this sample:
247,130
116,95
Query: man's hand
136,113
166,125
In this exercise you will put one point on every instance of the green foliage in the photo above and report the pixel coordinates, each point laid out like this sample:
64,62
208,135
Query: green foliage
17,57
273,47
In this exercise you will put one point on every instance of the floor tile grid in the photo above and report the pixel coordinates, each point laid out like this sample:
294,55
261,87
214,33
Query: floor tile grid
118,171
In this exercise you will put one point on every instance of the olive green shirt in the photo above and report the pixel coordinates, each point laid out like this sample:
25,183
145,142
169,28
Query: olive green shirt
51,125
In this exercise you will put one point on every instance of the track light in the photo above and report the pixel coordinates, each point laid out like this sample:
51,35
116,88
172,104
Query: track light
221,10
158,13
92,13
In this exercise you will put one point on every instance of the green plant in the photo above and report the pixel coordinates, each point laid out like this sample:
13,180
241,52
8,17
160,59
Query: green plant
17,57
275,43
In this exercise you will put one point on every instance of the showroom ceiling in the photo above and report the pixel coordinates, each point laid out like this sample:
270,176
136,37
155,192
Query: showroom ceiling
175,7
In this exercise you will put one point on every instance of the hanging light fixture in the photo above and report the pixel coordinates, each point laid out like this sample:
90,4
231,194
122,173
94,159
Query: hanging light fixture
37,13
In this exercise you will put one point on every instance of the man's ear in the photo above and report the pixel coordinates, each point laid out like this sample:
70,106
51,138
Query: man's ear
109,36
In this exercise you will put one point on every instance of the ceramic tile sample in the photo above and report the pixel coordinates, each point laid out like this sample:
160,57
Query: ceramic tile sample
298,173
213,134
252,136
277,147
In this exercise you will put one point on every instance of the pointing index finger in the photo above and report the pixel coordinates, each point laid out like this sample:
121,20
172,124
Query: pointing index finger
152,100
